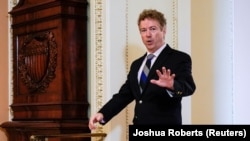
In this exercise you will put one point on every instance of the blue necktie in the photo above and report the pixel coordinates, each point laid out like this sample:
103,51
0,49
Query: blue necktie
145,71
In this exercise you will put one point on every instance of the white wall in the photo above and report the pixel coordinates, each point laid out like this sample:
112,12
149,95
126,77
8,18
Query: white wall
241,65
223,61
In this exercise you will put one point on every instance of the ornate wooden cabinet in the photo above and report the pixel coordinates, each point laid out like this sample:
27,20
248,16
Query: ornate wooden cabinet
49,68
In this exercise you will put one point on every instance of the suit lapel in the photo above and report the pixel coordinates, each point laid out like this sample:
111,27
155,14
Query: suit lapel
159,62
135,75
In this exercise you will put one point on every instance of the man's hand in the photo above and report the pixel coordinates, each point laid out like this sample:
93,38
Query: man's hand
95,119
166,79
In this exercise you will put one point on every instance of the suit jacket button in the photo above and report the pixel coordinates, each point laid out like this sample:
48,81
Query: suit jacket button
179,92
140,101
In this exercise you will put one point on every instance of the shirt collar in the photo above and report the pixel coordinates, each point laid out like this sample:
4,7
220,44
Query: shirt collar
157,52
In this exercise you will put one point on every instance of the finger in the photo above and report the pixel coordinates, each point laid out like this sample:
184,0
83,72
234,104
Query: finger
173,75
99,117
91,125
164,70
92,122
158,73
153,81
168,72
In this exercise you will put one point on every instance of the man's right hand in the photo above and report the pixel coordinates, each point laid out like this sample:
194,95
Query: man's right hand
98,117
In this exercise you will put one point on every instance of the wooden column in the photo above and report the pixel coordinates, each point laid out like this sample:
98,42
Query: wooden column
49,68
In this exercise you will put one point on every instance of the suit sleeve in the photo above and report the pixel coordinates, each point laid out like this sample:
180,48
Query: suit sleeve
183,84
116,103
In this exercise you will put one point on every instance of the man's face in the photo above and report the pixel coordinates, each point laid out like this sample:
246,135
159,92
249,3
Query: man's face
152,34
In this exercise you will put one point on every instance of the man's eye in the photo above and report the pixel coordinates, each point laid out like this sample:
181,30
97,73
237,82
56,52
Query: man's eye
152,29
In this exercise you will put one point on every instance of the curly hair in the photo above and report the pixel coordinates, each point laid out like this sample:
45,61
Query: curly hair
152,14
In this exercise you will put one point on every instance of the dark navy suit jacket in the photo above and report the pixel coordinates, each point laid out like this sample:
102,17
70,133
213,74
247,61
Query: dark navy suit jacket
154,105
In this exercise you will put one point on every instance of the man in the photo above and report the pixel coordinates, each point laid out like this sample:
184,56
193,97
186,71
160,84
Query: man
167,79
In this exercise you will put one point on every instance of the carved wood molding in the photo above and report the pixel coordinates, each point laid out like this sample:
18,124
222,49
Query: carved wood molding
37,61
99,61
